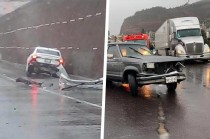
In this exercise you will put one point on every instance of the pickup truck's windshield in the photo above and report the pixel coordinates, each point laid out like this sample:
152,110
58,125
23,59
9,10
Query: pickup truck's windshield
134,50
188,32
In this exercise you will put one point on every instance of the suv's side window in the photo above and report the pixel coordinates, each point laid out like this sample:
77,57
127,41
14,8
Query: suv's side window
113,50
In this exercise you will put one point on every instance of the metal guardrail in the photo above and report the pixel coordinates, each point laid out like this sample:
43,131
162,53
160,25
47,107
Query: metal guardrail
66,83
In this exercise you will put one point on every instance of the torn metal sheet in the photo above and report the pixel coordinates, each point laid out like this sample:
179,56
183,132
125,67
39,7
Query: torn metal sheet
65,82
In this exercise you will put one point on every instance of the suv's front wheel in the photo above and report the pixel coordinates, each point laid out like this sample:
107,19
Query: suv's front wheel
171,86
132,84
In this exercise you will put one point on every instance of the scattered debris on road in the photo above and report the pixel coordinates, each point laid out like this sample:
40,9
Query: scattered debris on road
28,81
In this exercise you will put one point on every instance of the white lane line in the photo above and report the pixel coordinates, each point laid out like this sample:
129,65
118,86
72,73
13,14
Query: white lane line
9,78
98,14
88,16
63,48
80,18
52,92
64,22
72,20
72,98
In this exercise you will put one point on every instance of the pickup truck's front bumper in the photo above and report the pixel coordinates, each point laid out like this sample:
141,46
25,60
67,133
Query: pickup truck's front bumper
145,79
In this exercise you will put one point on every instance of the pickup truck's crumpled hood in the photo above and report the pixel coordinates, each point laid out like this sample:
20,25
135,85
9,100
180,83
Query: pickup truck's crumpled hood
155,59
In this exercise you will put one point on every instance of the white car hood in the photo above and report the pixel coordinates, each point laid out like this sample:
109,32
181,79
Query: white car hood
192,39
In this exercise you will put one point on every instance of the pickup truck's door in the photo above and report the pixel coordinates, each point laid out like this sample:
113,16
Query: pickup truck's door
114,64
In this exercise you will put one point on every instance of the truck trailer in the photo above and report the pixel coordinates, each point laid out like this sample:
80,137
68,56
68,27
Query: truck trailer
181,37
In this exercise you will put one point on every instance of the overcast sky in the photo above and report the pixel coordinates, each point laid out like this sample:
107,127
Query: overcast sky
120,9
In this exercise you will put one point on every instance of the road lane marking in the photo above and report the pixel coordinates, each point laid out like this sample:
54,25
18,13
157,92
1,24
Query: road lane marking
52,92
64,22
72,20
88,16
47,24
80,18
9,78
97,14
162,131
72,98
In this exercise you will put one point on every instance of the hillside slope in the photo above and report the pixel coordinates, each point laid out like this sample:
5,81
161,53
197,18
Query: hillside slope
149,19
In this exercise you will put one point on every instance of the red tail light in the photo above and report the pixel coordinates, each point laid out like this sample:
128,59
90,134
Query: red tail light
34,57
61,61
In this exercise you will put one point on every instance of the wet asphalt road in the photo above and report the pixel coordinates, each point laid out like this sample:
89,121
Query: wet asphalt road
156,112
29,112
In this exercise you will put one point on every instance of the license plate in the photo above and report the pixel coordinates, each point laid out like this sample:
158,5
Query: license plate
195,56
47,61
171,79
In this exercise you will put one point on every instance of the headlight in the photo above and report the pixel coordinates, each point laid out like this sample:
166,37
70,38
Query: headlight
150,65
180,52
206,50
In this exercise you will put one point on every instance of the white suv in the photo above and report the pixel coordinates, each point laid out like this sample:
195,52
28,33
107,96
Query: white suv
44,60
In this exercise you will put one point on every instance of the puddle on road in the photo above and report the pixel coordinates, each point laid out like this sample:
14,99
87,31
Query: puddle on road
198,75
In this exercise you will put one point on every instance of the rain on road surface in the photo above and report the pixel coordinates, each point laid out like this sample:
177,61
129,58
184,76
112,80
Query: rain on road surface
181,115
29,112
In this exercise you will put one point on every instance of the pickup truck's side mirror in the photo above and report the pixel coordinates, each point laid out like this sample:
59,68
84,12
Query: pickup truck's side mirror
110,56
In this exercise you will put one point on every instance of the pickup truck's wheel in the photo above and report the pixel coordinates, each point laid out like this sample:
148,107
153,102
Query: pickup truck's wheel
171,86
132,84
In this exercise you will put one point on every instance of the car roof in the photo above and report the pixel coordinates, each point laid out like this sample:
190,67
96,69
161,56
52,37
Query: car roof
46,48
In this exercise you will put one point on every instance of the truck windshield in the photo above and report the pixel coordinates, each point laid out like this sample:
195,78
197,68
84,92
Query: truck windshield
134,50
188,32
143,42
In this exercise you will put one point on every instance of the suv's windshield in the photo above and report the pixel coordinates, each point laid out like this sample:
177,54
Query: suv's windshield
134,50
188,32
48,52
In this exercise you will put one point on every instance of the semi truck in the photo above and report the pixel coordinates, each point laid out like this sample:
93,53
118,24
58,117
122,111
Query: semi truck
181,37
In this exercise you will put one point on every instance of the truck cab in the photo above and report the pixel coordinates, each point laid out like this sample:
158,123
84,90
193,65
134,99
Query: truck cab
181,37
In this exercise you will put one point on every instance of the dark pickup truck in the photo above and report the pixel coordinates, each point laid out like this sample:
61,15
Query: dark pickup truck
135,64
